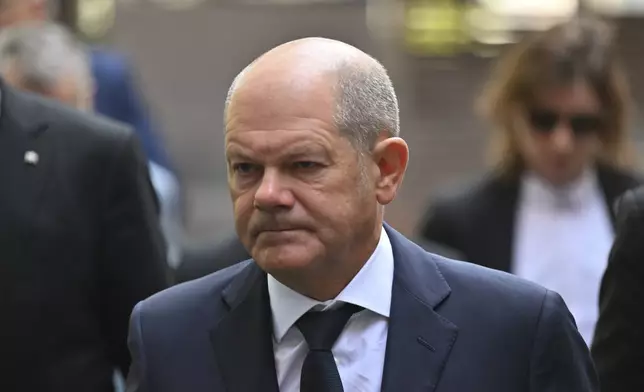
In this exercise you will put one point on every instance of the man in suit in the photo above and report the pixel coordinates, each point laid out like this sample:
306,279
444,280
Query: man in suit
79,234
618,344
115,94
334,299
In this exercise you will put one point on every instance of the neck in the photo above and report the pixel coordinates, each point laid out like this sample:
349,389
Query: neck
563,183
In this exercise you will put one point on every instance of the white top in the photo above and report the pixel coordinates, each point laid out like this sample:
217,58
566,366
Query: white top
563,236
360,350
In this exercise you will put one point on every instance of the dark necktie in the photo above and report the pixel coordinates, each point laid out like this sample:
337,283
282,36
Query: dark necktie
321,330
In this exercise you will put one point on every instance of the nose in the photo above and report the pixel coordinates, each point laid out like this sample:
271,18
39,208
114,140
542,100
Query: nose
563,139
273,192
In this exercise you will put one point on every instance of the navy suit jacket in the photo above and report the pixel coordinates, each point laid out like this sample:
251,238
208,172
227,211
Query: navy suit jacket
118,98
454,327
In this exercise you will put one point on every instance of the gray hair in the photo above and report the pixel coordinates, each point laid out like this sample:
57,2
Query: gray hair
43,53
366,103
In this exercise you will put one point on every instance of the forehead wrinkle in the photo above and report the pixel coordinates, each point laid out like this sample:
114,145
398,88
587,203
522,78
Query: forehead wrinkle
267,145
253,123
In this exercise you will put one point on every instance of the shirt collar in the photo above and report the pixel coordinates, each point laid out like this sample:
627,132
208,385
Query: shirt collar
369,289
537,191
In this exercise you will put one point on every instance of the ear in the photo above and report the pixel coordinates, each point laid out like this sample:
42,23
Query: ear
390,156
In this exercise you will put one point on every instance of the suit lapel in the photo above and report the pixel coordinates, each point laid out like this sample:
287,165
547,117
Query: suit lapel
242,340
419,340
496,235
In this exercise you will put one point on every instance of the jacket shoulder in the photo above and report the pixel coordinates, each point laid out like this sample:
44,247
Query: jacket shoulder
453,209
472,191
631,202
60,119
191,297
489,285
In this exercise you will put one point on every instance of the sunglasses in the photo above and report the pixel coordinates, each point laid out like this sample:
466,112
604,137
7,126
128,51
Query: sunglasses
545,122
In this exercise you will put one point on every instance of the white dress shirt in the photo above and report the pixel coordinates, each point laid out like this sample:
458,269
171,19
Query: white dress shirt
562,239
359,352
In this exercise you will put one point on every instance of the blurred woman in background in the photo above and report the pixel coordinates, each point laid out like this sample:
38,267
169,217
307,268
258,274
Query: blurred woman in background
558,103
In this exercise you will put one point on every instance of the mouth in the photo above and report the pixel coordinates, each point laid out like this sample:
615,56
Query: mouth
278,230
277,236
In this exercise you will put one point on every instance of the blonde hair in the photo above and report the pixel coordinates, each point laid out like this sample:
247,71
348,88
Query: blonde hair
581,49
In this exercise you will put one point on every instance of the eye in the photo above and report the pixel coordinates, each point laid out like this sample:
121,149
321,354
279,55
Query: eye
306,165
244,168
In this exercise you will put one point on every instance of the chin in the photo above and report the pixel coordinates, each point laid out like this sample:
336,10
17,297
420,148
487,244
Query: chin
275,257
566,176
558,174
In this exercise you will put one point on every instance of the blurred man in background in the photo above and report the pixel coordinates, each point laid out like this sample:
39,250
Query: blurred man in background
46,59
79,236
116,95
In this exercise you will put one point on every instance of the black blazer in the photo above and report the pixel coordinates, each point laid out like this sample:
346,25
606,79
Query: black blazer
454,327
478,220
618,345
79,245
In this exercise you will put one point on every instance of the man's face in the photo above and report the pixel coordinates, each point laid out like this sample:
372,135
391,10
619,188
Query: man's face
68,90
559,133
18,11
72,92
300,196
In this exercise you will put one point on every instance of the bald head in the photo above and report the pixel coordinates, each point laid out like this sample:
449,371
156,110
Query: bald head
358,90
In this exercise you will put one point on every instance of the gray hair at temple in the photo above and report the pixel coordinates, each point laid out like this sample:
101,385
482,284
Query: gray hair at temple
366,103
41,56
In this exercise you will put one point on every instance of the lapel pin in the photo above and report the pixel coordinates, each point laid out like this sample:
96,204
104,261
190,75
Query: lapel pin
31,158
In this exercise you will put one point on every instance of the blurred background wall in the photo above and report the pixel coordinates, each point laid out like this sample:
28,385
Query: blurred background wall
186,58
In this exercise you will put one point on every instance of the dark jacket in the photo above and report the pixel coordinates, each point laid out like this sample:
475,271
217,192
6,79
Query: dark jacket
618,346
79,245
118,97
478,219
454,327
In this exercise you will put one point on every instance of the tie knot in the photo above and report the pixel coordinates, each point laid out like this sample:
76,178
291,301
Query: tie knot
322,329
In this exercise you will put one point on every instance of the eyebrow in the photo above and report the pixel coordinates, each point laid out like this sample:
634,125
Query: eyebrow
291,152
237,153
297,151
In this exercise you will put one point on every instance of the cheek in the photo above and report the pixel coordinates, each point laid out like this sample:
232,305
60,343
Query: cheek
335,207
589,148
529,144
325,205
242,210
356,205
